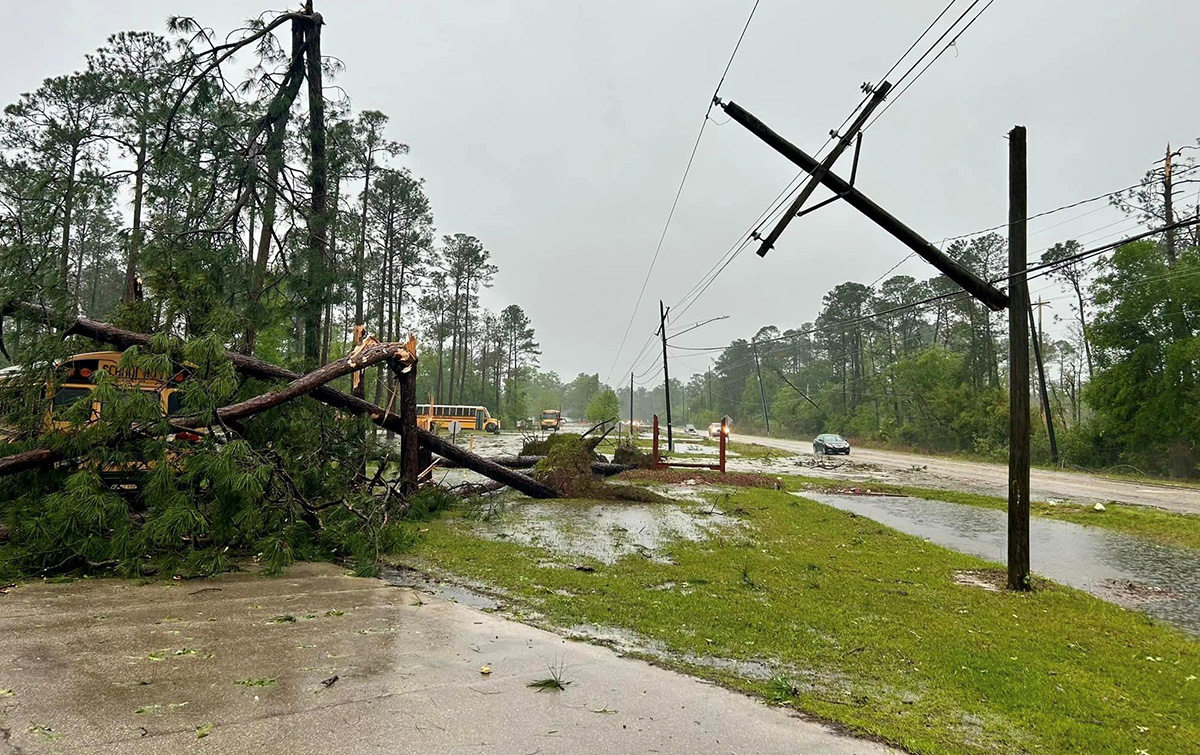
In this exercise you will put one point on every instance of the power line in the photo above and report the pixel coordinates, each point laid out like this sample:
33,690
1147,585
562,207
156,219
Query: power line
952,43
679,192
1063,207
917,41
1031,273
935,44
739,246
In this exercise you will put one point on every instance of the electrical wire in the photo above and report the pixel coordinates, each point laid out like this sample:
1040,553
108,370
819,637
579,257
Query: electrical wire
917,41
952,43
784,197
1031,273
678,193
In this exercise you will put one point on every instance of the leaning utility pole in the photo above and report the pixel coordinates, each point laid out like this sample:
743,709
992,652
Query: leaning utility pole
662,328
980,289
1018,372
878,95
761,393
1037,356
1016,301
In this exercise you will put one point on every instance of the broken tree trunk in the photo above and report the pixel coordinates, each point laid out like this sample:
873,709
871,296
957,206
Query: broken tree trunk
606,468
38,457
366,355
108,333
486,467
410,462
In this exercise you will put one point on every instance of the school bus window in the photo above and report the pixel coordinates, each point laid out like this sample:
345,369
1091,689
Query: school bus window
174,402
67,396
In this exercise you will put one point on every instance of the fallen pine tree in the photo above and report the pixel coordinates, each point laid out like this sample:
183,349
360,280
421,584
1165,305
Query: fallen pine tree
248,365
285,485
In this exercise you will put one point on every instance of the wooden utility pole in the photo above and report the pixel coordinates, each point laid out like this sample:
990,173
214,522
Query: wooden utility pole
993,298
631,435
662,329
1018,373
1040,304
761,393
1168,209
844,140
1041,367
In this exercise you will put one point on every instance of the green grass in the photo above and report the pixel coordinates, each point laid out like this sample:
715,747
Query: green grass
744,450
1165,527
865,626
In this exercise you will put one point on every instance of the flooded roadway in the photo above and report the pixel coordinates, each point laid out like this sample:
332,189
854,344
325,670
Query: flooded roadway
1160,580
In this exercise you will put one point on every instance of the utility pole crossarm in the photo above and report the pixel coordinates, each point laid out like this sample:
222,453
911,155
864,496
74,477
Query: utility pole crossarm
843,141
992,297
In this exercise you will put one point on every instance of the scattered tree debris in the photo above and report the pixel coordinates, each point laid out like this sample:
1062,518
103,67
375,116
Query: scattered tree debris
630,455
556,682
567,469
264,682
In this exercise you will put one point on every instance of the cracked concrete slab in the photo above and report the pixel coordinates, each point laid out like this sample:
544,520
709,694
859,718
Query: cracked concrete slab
317,661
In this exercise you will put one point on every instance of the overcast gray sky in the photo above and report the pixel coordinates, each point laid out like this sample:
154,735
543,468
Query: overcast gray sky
557,131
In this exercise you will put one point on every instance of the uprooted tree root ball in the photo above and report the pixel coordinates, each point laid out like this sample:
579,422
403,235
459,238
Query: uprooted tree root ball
568,469
535,446
632,456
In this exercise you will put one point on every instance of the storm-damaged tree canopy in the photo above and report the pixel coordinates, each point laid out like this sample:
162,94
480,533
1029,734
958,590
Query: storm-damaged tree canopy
212,198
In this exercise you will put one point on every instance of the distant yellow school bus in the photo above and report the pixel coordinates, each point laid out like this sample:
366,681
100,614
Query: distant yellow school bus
551,419
432,416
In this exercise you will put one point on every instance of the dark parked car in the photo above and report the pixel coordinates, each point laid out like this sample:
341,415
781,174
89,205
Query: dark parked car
828,443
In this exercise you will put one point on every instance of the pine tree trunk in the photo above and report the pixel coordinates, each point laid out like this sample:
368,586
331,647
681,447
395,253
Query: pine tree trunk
318,220
454,325
360,263
135,235
64,262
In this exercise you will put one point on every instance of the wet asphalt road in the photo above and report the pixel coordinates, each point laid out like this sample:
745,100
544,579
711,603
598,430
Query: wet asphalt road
992,479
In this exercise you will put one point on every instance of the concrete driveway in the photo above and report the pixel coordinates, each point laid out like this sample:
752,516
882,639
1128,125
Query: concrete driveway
316,661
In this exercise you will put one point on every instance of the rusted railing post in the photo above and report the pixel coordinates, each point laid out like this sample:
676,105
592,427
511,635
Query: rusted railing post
724,437
654,445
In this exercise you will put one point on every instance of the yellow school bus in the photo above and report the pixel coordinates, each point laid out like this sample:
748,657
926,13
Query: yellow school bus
9,381
551,419
75,378
432,416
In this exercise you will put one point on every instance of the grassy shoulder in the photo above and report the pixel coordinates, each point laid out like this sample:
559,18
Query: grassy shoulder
1165,527
867,627
744,450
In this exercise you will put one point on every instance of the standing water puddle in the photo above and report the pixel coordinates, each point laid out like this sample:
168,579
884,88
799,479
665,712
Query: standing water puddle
1091,559
605,532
